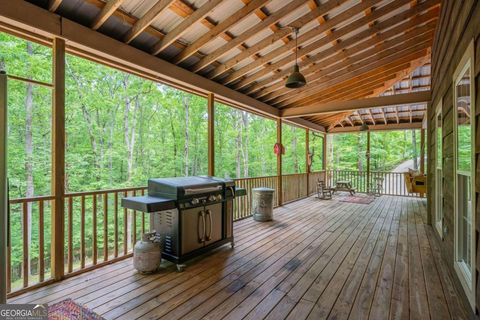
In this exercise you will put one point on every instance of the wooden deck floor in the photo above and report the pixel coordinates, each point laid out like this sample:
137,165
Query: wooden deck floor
317,260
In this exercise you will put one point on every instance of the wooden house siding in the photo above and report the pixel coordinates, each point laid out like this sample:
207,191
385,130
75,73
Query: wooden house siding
459,24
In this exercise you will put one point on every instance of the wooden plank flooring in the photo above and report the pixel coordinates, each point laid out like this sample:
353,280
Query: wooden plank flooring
317,260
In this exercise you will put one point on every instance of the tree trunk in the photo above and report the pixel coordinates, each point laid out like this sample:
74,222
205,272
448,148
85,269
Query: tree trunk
245,144
129,131
238,129
296,168
186,101
414,148
359,151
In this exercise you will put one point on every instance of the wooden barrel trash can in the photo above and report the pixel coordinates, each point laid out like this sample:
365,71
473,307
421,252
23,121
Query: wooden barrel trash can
262,199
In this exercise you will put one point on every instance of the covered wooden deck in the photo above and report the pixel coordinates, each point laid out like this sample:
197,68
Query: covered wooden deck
317,260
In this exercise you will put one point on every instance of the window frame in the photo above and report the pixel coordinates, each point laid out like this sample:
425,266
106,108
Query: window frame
467,277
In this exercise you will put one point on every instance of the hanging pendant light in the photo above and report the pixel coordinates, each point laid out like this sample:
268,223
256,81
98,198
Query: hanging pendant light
296,79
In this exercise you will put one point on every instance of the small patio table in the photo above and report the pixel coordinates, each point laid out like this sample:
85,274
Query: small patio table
344,185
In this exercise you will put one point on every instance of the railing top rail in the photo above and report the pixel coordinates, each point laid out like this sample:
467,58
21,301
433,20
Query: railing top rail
31,199
91,193
254,178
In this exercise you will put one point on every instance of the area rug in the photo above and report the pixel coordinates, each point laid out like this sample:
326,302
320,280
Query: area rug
70,310
357,199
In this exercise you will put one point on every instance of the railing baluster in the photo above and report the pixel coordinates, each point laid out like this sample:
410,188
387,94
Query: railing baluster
70,235
105,227
115,223
134,224
143,215
94,229
25,244
41,243
125,228
82,232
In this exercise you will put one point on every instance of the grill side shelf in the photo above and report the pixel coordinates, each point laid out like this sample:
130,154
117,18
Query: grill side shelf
148,203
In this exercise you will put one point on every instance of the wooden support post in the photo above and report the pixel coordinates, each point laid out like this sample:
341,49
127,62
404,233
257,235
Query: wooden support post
3,190
211,134
58,158
307,158
368,161
279,164
422,151
324,158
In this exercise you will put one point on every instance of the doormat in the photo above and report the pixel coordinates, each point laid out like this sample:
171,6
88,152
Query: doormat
69,309
357,199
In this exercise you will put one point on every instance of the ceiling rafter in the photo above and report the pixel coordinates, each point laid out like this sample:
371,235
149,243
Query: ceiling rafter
54,4
107,11
307,36
390,54
268,41
131,20
156,10
402,74
336,88
187,23
272,19
221,27
324,58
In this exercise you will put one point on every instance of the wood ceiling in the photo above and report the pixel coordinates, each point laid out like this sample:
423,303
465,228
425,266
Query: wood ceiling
347,49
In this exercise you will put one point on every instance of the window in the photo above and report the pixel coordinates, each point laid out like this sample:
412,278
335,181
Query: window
439,171
464,172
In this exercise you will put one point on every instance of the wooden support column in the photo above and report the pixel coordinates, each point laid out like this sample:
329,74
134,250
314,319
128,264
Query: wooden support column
324,159
3,190
368,161
58,158
422,150
307,152
279,164
211,134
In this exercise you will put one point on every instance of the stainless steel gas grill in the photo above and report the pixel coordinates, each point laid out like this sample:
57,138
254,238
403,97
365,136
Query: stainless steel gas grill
192,214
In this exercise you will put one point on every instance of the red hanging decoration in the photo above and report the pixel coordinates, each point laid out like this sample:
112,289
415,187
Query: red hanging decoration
278,149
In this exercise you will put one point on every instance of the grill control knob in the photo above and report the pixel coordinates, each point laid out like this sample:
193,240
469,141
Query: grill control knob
219,197
212,198
195,201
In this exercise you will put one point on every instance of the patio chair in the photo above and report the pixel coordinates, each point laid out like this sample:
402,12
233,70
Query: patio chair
324,192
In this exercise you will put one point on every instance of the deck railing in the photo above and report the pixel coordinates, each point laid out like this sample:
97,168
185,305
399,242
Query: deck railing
391,183
99,231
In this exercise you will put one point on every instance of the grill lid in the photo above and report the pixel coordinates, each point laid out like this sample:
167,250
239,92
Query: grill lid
187,187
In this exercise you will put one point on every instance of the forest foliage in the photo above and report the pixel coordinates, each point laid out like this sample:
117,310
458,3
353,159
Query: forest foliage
122,129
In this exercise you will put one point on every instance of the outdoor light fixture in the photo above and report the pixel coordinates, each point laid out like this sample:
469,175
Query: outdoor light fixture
296,79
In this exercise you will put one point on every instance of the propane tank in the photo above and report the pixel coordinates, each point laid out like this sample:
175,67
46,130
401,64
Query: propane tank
147,253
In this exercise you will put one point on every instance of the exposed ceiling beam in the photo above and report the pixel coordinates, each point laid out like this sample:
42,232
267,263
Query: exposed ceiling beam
325,58
392,56
107,11
157,9
53,5
350,105
219,28
362,52
186,24
379,127
401,75
272,19
307,36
